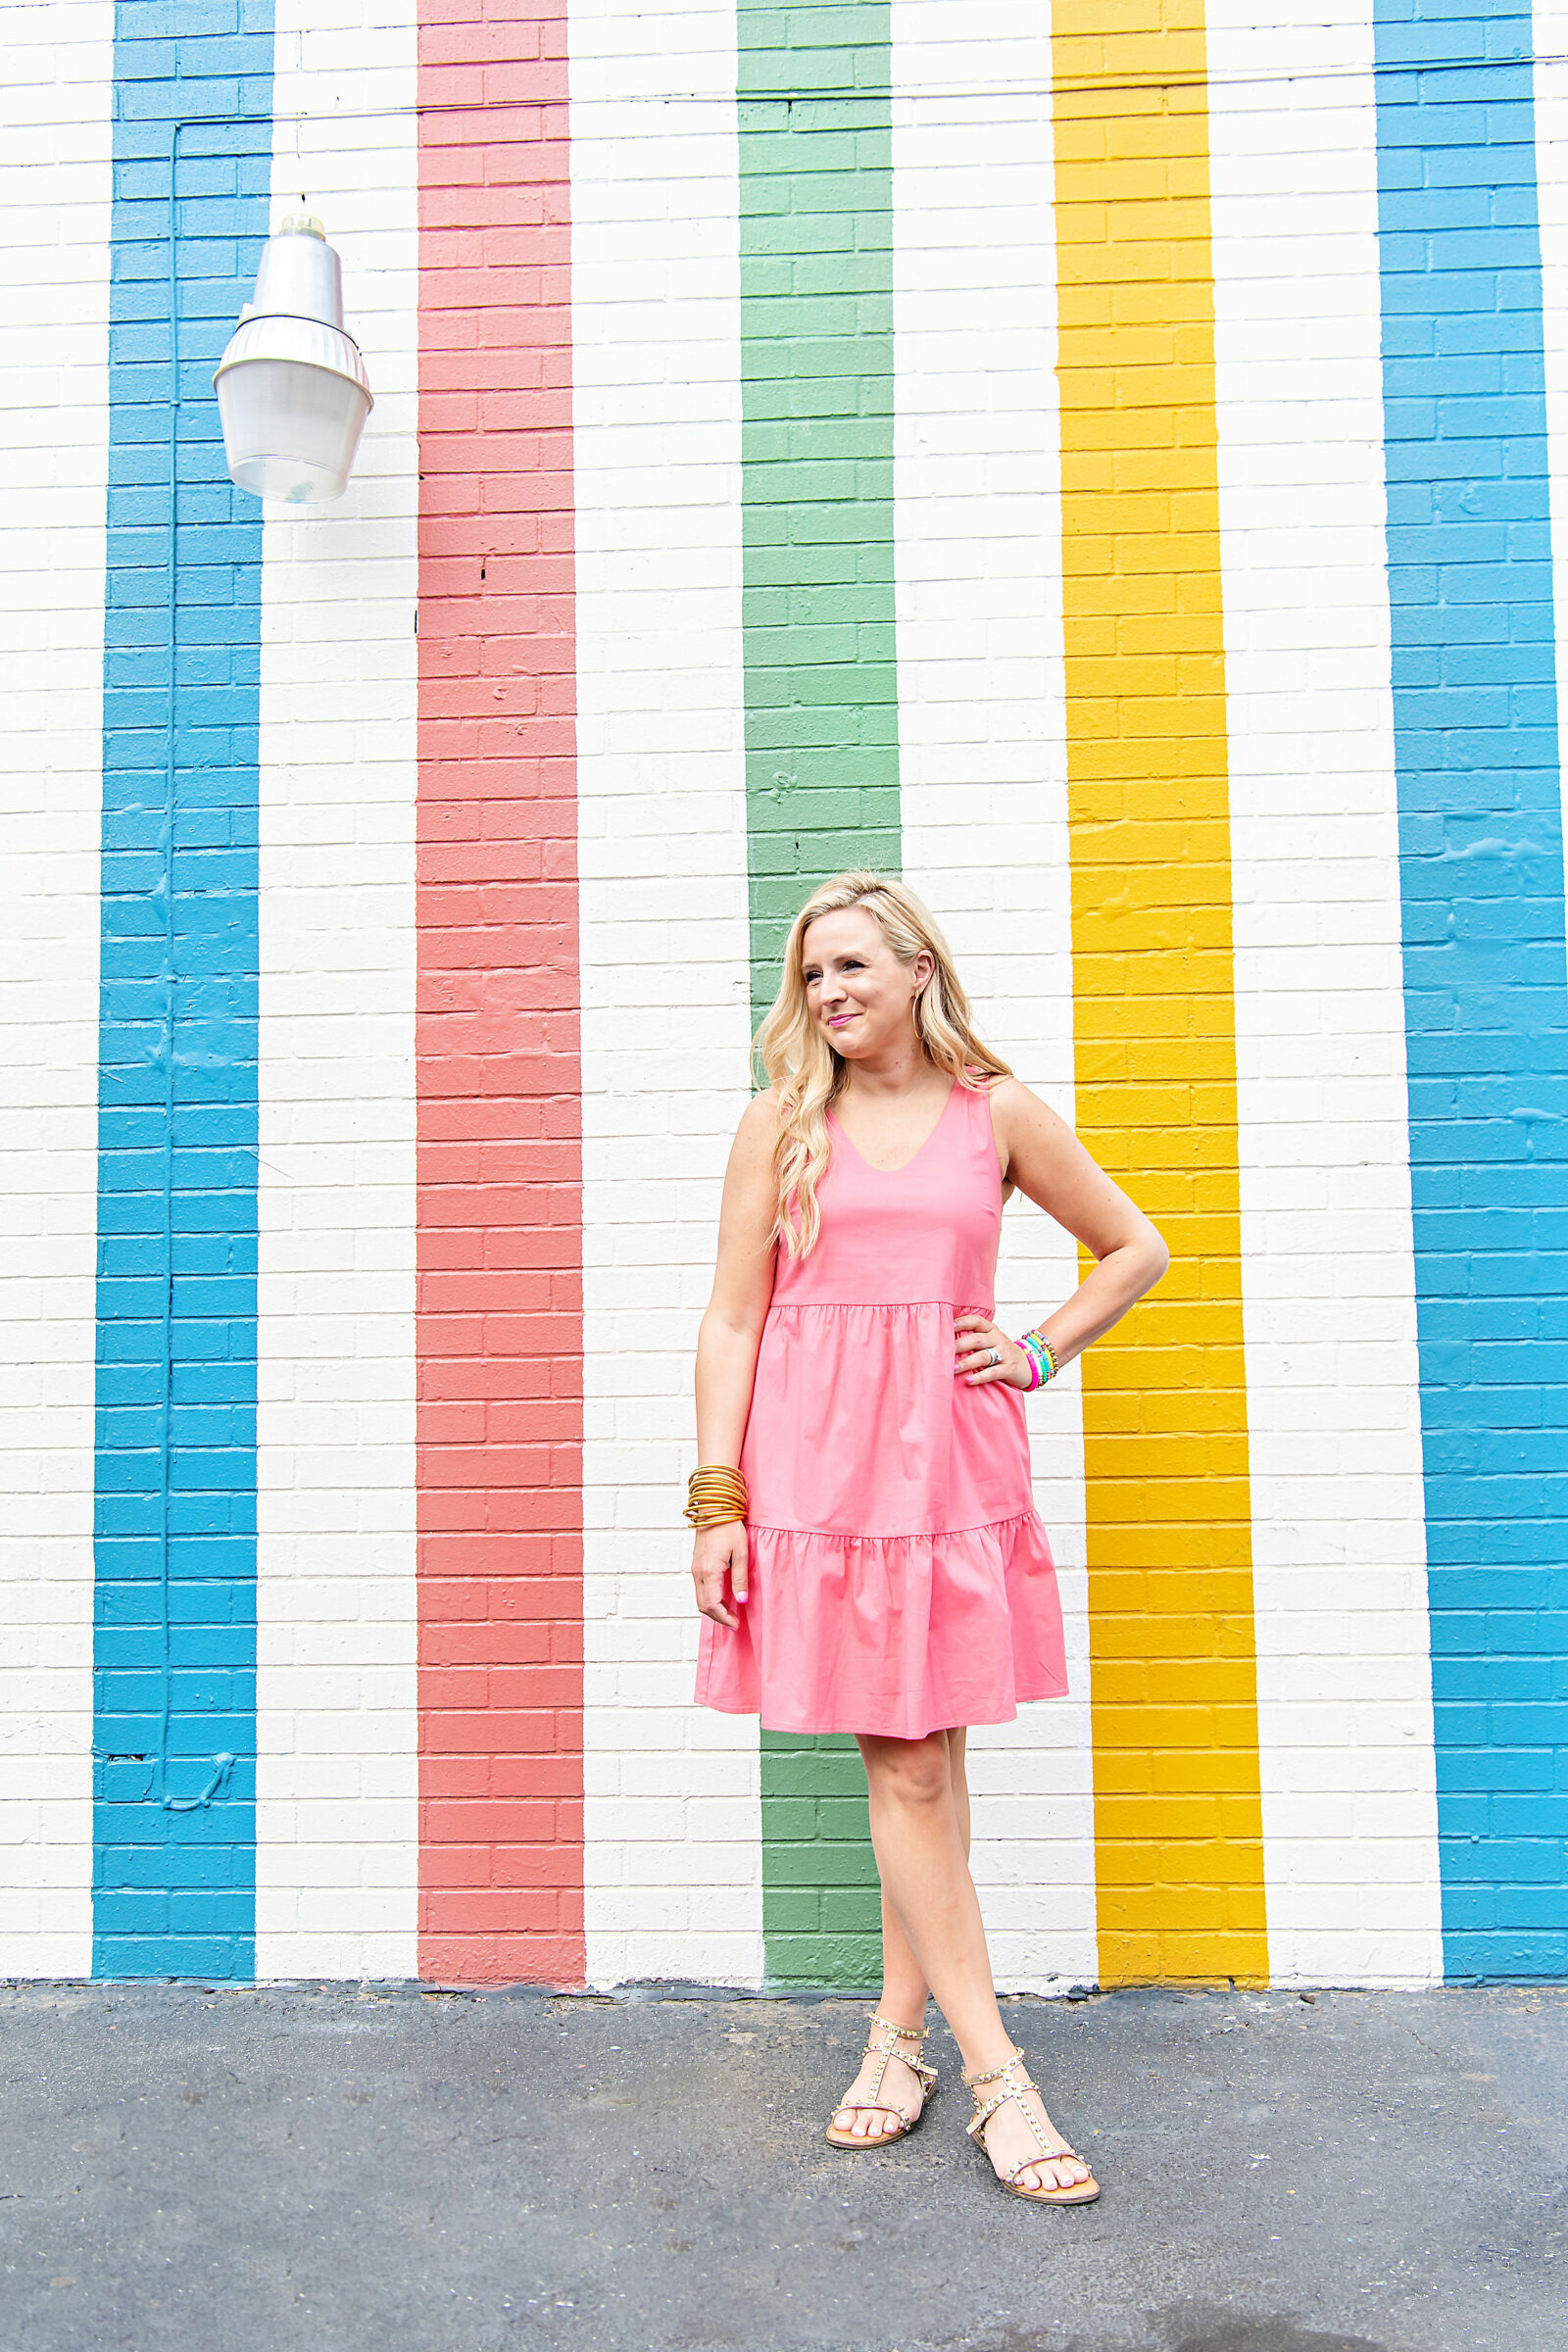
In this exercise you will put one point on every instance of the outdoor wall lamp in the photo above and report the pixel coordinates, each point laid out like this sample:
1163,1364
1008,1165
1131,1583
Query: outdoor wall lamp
291,387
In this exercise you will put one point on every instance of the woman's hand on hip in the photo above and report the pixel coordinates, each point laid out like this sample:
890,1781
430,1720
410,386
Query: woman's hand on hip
984,1353
719,1556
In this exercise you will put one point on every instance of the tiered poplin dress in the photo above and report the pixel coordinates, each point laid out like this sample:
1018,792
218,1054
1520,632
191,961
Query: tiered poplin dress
899,1580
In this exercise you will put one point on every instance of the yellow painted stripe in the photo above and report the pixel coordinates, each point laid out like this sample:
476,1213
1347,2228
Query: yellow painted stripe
1178,1821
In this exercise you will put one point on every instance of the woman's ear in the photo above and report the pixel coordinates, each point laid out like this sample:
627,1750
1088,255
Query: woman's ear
920,971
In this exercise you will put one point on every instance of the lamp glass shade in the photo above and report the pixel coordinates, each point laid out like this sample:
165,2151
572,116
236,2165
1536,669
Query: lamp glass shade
291,431
292,390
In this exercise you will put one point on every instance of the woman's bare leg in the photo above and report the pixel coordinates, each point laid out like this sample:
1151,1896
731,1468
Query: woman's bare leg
904,1987
919,1829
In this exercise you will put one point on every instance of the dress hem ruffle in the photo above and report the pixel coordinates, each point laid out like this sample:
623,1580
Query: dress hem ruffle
973,1722
894,1636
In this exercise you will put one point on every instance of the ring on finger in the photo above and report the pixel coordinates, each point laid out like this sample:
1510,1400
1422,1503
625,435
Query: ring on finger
996,1356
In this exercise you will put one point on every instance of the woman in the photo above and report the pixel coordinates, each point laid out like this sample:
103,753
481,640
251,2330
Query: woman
867,1558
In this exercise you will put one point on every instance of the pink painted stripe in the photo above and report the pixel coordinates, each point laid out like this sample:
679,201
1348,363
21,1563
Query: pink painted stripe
500,1210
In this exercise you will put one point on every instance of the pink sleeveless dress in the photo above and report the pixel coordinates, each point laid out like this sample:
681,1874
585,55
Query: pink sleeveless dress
899,1580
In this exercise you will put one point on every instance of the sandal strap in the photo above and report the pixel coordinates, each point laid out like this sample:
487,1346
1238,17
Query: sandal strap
914,2033
1015,2075
925,2076
983,2114
996,2074
888,2048
1018,2171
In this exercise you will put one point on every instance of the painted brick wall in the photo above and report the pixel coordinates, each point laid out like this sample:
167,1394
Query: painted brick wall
500,1155
672,1833
55,188
1333,1400
783,455
337,1750
815,178
175,1512
1475,671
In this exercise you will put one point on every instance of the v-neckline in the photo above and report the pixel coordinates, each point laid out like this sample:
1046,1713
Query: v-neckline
904,1164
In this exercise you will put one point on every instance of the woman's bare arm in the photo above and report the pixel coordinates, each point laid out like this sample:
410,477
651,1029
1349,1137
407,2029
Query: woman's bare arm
1041,1155
727,1342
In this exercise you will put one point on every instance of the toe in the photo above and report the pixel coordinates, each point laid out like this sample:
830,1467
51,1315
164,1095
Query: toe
1066,2171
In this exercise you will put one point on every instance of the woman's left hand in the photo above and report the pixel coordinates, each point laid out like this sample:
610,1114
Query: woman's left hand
983,1352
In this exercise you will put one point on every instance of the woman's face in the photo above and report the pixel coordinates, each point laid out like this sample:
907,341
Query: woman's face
860,994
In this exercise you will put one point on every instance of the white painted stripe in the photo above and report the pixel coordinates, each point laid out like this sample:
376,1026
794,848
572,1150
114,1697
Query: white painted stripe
1552,185
673,1824
1345,1710
338,1819
984,769
55,199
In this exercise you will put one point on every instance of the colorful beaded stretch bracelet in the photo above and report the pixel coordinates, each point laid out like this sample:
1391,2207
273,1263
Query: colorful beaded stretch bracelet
715,1495
1042,1355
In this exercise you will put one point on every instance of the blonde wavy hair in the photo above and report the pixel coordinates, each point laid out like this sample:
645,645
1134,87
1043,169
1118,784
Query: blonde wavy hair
808,1076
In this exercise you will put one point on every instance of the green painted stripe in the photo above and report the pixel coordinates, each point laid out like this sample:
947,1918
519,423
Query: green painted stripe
821,686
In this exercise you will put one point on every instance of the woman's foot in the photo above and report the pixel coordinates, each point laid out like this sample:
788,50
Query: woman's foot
888,2095
1009,2141
1018,2132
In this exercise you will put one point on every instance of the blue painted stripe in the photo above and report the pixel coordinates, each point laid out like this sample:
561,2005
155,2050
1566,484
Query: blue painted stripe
1486,1005
174,1876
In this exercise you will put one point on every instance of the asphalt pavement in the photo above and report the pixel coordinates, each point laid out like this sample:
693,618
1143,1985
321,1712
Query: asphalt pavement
390,2169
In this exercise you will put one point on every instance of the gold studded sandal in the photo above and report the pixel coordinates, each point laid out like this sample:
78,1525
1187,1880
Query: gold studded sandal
886,2048
1014,2075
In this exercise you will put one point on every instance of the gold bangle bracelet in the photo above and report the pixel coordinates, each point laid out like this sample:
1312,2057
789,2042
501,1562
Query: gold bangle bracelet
715,1495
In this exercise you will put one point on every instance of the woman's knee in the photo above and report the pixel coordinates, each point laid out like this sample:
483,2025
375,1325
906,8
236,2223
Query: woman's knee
909,1772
